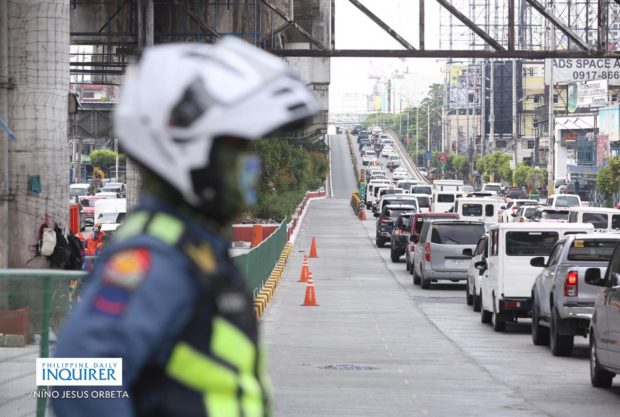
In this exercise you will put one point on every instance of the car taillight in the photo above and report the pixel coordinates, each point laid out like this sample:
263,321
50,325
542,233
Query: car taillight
571,284
427,252
385,220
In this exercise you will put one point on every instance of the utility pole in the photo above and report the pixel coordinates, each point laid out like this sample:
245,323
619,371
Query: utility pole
428,133
551,132
407,123
515,140
417,148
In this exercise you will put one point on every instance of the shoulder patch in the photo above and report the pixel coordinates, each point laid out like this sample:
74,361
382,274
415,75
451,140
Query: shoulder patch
127,269
203,257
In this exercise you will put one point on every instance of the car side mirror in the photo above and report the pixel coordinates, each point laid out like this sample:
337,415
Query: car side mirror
513,214
376,214
468,252
481,265
593,277
502,207
538,261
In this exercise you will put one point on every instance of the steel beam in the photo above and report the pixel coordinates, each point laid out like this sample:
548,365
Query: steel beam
113,15
422,21
382,24
560,25
197,19
511,25
477,30
294,24
602,25
443,53
275,31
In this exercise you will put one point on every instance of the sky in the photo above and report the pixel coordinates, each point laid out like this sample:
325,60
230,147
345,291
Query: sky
350,76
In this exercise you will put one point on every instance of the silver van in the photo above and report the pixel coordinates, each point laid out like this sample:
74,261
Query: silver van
441,256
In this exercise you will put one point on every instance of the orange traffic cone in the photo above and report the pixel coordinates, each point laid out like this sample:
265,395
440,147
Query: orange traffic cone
310,299
313,253
362,214
305,270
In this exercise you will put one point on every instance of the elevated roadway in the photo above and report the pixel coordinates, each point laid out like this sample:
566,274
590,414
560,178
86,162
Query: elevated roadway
378,346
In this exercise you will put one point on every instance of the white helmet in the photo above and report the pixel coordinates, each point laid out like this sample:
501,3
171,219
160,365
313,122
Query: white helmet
180,97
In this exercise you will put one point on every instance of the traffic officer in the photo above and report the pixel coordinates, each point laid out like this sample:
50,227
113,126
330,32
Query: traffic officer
165,295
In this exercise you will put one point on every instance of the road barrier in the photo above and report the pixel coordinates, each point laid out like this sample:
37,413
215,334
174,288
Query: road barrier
33,304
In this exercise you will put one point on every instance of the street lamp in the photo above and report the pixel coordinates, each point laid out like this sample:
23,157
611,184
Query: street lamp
428,128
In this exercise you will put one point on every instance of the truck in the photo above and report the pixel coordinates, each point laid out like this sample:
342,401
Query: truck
110,213
562,300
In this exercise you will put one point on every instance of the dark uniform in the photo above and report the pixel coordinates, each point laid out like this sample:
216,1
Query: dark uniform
166,297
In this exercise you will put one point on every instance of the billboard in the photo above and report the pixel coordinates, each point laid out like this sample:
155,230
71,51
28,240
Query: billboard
602,149
570,70
465,86
587,94
609,122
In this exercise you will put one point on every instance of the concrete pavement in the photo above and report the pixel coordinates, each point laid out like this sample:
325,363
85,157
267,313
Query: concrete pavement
367,350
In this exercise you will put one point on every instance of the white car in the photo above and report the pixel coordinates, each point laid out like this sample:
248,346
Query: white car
400,174
386,151
475,275
563,200
506,215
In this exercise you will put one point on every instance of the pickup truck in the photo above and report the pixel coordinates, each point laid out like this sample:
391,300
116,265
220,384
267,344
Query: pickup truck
563,302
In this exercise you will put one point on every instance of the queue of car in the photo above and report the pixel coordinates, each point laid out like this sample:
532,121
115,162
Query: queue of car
554,262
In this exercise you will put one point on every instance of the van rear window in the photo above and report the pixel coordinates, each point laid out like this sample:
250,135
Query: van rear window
530,243
472,210
591,250
598,220
424,201
457,234
422,190
445,198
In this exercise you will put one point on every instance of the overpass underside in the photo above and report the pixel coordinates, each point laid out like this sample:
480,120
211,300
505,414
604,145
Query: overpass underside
107,35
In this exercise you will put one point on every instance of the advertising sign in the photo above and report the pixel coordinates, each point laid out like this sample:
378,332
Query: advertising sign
609,122
465,85
602,149
571,70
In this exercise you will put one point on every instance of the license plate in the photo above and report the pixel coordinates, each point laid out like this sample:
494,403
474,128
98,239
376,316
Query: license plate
456,262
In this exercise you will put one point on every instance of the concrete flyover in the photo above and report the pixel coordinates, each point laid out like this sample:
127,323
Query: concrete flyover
378,346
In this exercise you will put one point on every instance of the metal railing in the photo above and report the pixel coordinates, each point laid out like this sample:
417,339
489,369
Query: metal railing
33,304
406,158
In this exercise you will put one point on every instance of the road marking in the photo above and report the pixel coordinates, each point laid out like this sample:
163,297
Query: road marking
424,411
400,371
406,382
386,347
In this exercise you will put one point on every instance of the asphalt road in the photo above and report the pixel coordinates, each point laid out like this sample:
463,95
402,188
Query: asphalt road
378,346
343,180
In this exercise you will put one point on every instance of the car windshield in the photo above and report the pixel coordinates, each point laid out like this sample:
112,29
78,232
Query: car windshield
530,243
404,222
88,202
554,214
598,220
75,192
471,210
445,198
457,234
567,201
591,250
394,213
111,218
422,190
529,212
490,187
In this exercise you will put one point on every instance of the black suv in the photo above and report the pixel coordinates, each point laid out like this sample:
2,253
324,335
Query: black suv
400,235
385,222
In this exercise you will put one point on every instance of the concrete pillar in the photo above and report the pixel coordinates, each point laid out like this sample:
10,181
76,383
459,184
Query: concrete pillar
146,38
38,64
